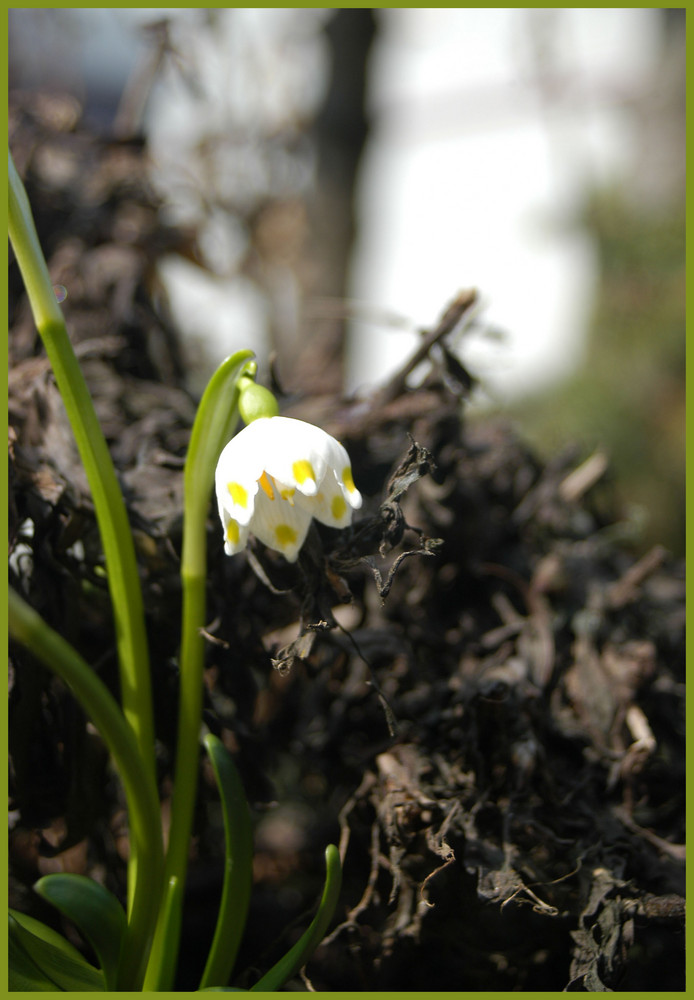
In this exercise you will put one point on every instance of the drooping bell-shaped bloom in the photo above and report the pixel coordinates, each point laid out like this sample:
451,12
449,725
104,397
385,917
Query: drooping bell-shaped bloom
274,476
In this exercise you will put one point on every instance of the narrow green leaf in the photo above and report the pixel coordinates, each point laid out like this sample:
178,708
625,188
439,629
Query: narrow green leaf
119,553
96,913
214,425
28,628
44,932
56,960
116,536
299,955
23,975
236,889
163,958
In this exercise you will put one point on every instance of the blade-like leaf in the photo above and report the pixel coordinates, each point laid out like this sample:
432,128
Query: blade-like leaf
23,975
236,890
55,959
27,627
214,424
96,913
44,932
299,955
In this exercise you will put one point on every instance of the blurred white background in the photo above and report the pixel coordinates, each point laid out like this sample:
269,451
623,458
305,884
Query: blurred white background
488,126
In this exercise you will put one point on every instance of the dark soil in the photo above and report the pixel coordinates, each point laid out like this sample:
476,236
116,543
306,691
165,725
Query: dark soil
494,731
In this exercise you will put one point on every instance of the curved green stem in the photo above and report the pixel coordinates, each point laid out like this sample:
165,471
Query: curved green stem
214,424
116,537
28,628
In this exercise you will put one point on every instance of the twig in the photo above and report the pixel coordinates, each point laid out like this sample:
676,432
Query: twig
448,322
578,482
625,589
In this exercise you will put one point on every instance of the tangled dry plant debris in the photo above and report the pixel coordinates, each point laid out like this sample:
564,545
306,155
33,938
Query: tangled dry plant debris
516,822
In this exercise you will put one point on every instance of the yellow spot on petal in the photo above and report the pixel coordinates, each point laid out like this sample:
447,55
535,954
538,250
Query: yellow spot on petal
285,535
287,493
233,532
338,507
239,494
303,470
266,485
347,479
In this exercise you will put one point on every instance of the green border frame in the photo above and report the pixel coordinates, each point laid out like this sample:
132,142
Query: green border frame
689,551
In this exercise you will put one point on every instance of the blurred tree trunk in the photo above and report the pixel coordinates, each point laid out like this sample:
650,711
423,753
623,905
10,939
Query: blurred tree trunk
340,131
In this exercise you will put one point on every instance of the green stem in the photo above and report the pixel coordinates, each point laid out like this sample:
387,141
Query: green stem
215,421
116,537
28,628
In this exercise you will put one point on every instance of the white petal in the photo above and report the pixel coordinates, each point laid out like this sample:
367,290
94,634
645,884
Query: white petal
299,455
236,477
349,490
330,505
235,535
280,526
341,469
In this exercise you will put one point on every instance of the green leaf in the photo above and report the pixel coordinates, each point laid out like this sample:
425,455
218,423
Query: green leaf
24,976
213,426
299,955
28,628
146,856
164,954
41,955
40,930
236,890
95,912
112,518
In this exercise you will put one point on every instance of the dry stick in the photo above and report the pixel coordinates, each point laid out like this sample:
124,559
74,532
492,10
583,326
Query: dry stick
580,480
448,322
391,719
625,589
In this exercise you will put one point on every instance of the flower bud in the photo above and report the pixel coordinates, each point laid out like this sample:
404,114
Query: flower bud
255,401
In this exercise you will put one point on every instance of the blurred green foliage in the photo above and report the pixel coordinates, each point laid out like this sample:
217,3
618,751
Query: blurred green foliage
629,395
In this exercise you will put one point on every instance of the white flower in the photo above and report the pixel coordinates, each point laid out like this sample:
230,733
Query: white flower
274,476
